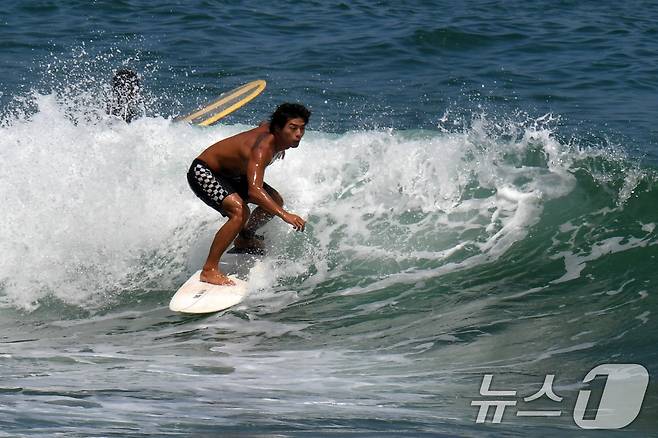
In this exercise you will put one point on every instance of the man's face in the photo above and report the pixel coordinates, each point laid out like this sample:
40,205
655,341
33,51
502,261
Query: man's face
293,131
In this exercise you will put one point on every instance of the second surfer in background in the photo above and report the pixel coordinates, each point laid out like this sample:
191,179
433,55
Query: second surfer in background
125,99
230,174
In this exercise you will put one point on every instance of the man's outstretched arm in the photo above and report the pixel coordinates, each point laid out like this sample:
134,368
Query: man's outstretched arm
260,158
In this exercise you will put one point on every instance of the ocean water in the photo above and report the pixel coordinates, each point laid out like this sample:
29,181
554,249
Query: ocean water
479,180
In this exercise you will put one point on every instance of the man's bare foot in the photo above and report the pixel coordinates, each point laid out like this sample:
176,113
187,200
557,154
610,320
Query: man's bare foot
215,276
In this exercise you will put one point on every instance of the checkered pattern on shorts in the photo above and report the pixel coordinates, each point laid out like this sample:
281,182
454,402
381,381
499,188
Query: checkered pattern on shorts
209,183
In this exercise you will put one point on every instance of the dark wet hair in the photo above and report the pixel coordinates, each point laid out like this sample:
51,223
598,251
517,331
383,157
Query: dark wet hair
287,111
125,79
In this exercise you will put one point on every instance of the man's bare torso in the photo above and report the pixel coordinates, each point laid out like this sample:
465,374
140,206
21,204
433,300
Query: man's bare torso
231,155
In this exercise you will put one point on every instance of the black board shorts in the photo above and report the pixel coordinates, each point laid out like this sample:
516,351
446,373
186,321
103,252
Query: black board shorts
212,188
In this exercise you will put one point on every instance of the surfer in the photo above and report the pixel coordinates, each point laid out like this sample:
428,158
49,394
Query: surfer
230,173
125,98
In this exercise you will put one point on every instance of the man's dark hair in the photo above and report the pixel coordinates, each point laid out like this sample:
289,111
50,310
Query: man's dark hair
125,79
287,111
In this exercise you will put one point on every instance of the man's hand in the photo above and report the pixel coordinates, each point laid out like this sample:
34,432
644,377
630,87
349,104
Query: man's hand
297,222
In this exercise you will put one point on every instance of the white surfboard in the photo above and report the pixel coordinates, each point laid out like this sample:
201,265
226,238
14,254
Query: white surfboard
195,296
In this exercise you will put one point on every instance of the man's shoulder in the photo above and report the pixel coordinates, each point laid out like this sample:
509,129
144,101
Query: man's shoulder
263,140
255,133
261,146
246,139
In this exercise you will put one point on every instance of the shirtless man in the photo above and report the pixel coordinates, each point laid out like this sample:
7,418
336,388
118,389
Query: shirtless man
230,173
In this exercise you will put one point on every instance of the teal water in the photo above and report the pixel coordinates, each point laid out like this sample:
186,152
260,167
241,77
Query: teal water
480,186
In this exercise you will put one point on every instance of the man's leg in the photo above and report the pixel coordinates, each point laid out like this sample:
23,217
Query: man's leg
259,217
238,214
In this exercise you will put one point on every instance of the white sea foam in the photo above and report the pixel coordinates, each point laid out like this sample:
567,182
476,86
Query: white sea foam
95,207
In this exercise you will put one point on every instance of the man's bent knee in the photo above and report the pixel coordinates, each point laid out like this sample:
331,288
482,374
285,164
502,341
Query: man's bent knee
236,208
